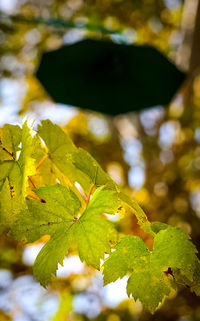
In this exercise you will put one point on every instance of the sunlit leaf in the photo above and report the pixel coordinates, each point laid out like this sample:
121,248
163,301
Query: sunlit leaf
15,171
57,215
150,281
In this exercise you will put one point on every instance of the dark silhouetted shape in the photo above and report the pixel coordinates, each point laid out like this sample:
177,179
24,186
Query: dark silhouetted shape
109,78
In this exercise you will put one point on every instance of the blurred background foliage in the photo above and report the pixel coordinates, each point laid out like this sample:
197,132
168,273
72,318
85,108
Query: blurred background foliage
154,155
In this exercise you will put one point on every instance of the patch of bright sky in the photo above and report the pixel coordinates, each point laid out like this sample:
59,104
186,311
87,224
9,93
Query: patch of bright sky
132,150
173,4
91,302
12,65
167,134
4,300
57,113
71,265
27,296
136,177
195,201
150,117
12,93
98,126
5,278
33,299
132,154
197,134
87,303
119,38
8,115
30,253
130,35
8,6
73,36
114,217
114,293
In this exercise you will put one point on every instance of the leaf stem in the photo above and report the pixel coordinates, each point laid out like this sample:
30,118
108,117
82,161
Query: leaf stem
36,197
5,150
37,167
30,180
89,194
41,162
91,188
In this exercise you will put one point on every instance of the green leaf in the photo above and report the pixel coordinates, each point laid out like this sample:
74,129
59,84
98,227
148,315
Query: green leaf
137,210
150,286
172,248
5,169
53,253
60,148
58,216
54,217
93,233
195,284
183,280
26,161
11,200
15,172
158,226
149,281
127,254
83,161
78,165
103,201
57,142
10,137
59,208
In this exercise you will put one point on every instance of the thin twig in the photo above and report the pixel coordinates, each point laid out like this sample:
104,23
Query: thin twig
60,23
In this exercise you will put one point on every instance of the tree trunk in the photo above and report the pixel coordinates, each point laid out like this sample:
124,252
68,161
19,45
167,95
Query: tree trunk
195,50
190,34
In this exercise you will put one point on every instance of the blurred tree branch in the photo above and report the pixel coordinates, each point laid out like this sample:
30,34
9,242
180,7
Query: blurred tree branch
58,23
195,50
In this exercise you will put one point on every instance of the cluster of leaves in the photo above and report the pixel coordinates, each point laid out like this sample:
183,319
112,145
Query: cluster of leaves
59,208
